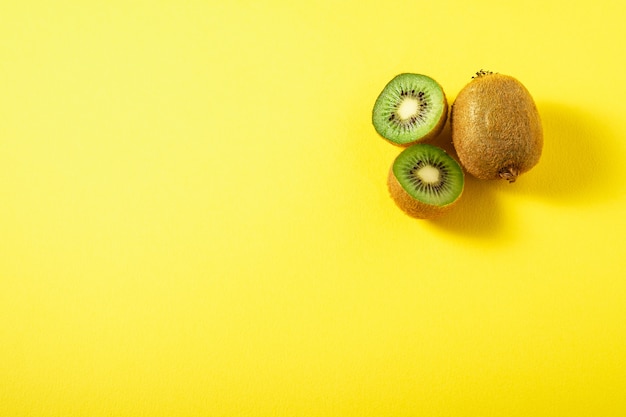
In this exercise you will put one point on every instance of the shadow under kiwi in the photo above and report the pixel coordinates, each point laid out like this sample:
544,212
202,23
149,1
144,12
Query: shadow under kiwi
477,213
580,159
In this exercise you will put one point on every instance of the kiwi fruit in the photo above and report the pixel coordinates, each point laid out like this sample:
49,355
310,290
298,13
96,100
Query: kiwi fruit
496,128
410,109
424,181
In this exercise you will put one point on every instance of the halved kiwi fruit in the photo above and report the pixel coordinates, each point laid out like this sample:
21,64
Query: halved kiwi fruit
410,109
425,181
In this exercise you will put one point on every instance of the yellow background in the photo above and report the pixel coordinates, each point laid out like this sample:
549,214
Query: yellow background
194,218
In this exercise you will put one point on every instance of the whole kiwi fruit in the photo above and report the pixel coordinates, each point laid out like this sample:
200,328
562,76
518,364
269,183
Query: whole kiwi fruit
425,182
496,128
411,108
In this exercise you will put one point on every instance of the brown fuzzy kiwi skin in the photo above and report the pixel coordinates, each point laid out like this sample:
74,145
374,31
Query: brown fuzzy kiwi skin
496,127
413,207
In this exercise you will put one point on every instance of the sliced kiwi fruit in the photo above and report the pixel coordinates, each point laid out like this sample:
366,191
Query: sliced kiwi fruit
425,181
496,128
410,109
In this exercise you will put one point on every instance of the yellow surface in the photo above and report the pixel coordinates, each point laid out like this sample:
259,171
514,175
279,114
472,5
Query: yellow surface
194,219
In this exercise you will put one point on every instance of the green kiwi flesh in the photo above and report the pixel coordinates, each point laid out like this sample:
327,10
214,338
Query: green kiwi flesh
425,182
411,108
496,128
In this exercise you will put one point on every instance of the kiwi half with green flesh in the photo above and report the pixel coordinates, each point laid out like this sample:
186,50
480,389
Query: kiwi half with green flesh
496,128
411,108
425,181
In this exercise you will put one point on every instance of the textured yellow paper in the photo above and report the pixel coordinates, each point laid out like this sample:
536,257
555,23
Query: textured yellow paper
194,219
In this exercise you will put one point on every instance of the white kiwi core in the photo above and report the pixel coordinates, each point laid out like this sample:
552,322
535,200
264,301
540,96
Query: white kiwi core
428,174
408,108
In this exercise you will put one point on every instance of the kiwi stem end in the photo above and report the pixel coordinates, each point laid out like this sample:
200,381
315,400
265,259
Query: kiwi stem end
509,173
482,73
